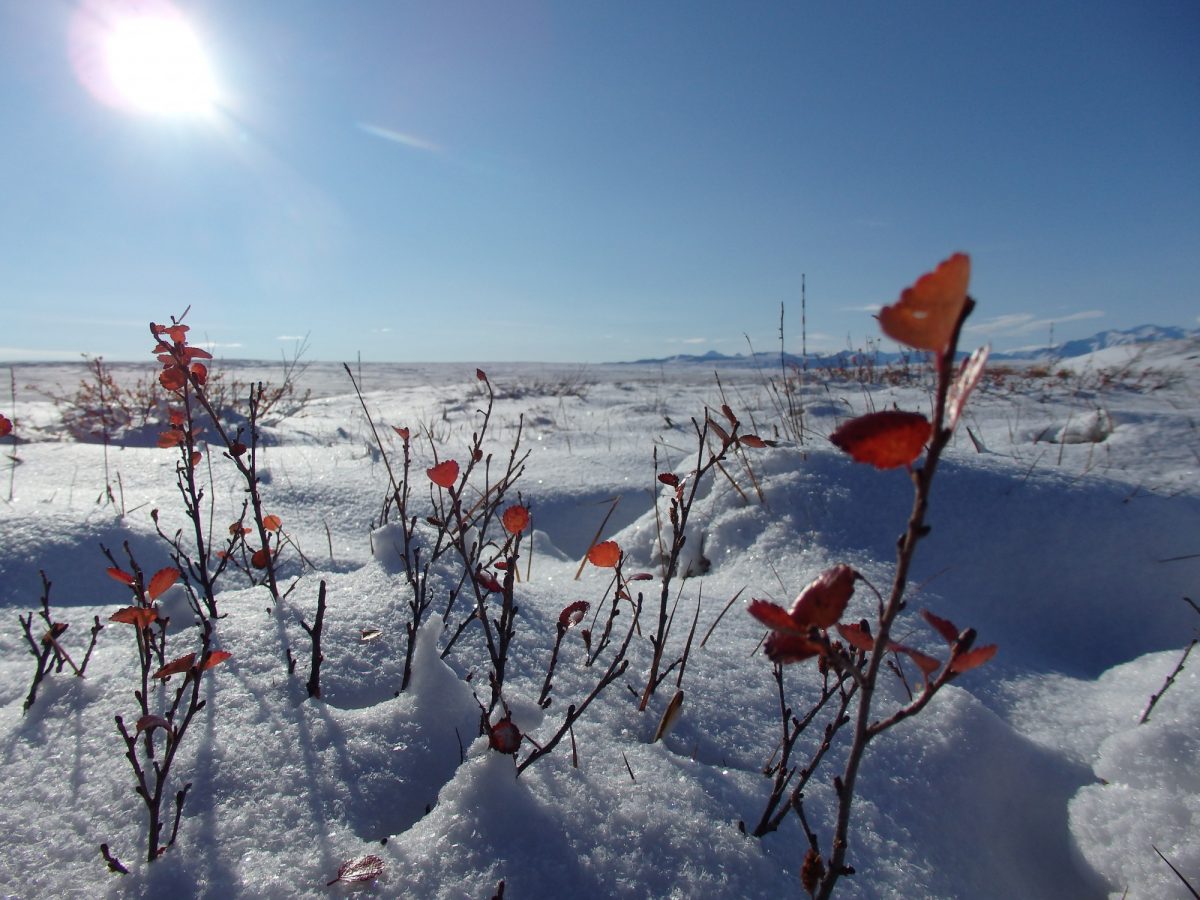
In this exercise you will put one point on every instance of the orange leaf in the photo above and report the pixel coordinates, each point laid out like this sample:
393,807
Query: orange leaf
444,474
824,599
515,519
215,658
177,333
886,440
5,426
162,580
199,372
119,575
196,457
175,666
272,523
261,558
926,314
964,662
752,440
141,616
606,554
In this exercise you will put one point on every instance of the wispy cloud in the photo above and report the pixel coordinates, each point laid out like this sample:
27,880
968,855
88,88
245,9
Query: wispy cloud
1015,324
866,308
689,340
291,337
399,137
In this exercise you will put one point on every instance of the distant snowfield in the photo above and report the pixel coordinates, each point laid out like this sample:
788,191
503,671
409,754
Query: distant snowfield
1066,529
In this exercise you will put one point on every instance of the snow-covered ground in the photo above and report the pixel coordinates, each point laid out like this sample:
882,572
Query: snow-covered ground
1065,529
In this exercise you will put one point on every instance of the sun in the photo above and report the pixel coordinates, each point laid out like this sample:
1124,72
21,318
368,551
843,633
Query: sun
159,67
145,59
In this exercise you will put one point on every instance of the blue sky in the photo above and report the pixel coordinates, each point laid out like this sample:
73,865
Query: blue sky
589,182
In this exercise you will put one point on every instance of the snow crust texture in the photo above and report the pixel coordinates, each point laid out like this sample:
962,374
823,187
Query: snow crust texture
1064,530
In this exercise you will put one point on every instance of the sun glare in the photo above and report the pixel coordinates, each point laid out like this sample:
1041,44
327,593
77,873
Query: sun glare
158,65
147,60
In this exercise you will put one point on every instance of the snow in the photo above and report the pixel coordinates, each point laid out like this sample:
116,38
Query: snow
1064,530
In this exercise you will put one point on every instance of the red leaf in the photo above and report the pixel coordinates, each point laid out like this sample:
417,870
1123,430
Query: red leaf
177,417
886,440
670,479
403,432
215,658
176,666
162,580
926,313
857,637
605,555
149,722
824,600
119,575
200,373
964,662
237,448
5,426
172,378
515,519
488,581
927,664
718,431
177,333
783,647
641,576
272,523
196,353
752,440
444,474
141,616
573,613
774,616
947,629
196,457
261,558
481,375
504,736
364,868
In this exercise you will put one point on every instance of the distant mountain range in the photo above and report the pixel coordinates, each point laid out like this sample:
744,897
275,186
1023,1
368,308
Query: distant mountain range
1140,334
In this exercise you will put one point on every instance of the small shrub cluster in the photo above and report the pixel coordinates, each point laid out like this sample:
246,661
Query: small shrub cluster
460,531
